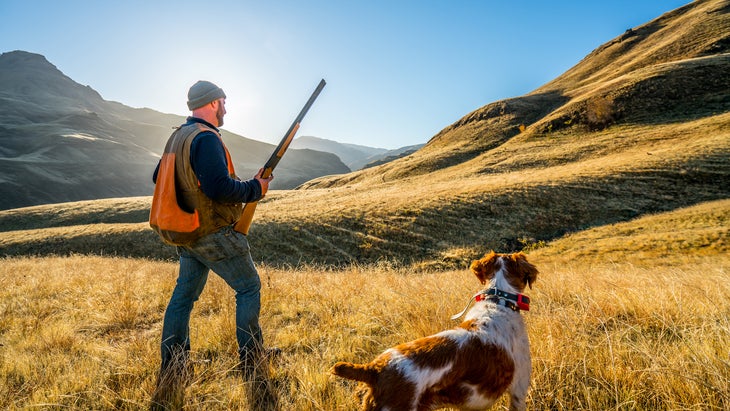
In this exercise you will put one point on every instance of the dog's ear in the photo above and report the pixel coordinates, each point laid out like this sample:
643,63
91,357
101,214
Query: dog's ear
478,269
484,268
527,271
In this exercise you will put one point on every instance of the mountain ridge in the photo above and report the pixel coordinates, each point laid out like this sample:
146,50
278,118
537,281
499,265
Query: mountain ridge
61,141
355,156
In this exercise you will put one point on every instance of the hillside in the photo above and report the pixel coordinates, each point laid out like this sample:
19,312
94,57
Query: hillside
674,237
670,70
639,127
391,155
61,141
118,227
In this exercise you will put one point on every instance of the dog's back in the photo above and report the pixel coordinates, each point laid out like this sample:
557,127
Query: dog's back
465,367
468,367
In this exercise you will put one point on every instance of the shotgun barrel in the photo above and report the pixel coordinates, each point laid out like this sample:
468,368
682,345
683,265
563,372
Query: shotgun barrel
244,223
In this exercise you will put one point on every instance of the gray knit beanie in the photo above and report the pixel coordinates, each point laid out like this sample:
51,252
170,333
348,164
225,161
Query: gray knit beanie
202,93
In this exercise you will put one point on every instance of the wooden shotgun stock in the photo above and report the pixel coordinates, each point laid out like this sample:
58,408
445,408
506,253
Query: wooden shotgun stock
244,223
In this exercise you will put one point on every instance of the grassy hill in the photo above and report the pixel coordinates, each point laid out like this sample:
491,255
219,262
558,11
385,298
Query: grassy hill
517,194
640,126
676,237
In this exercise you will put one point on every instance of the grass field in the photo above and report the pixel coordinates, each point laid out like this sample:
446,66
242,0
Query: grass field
626,316
82,332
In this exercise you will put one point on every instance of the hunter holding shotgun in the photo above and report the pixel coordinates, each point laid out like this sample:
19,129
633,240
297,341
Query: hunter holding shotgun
198,206
197,200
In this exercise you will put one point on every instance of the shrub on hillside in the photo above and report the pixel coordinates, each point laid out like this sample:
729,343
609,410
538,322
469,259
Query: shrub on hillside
599,112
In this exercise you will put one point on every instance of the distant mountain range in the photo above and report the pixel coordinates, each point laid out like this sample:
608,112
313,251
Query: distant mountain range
354,156
61,141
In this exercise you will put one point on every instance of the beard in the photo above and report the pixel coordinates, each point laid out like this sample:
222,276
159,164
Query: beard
219,115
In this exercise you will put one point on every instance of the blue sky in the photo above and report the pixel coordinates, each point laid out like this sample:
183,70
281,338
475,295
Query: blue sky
397,71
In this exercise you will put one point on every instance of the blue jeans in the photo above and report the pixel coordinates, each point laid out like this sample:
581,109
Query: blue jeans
227,253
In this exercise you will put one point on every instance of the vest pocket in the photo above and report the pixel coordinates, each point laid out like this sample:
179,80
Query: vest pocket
173,223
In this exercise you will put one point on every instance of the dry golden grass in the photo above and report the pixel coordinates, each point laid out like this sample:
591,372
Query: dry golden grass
622,337
627,153
83,332
672,238
529,187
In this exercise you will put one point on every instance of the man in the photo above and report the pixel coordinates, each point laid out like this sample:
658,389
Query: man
207,188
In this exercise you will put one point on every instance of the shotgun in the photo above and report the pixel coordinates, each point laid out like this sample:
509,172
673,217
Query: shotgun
244,223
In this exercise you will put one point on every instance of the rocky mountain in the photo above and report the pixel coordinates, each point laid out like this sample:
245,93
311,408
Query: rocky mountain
61,141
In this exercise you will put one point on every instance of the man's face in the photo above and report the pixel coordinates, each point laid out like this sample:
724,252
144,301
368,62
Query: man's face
221,111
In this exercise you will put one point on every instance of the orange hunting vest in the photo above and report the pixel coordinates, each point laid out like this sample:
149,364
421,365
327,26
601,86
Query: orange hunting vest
181,213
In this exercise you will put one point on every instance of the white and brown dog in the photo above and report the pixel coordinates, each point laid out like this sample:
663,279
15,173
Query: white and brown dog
468,367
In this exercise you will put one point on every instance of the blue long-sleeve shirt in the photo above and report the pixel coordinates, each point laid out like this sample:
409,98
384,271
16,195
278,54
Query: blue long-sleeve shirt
208,159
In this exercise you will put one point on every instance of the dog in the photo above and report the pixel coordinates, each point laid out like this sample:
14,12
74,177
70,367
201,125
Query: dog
468,367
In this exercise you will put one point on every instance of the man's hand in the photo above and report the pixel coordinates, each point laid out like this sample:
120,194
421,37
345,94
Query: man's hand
263,181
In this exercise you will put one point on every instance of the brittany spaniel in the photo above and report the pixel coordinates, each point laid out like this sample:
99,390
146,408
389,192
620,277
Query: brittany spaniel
468,367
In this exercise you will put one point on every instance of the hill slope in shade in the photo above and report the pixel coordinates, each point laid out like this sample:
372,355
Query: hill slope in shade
61,141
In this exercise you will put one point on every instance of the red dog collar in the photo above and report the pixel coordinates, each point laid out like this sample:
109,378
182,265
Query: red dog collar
514,301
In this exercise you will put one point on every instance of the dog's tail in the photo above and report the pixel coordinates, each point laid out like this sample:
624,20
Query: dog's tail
357,372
